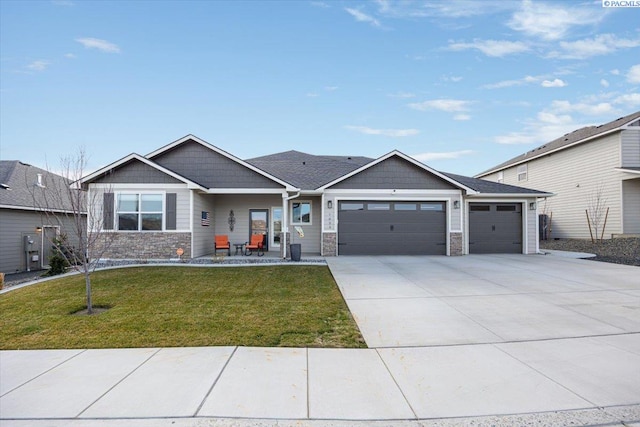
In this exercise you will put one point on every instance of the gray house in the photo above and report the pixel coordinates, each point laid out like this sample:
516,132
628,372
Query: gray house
31,215
578,166
177,198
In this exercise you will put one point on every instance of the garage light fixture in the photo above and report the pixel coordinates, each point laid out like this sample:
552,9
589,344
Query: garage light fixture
38,229
329,204
532,206
456,204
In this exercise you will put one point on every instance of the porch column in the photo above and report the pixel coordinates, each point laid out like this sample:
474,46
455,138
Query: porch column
285,225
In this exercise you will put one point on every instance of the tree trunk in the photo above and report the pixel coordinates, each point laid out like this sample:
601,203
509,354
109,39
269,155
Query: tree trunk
87,281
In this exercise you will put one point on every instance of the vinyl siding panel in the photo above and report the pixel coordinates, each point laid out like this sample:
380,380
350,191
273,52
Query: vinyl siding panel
631,203
202,240
630,148
394,173
574,176
14,225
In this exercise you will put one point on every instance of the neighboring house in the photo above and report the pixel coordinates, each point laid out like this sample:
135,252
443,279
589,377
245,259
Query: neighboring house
576,167
181,195
31,215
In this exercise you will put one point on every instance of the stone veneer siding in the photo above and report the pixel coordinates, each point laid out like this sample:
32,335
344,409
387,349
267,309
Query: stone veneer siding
455,244
146,245
329,246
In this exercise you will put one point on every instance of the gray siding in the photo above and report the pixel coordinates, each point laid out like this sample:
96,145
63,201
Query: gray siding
14,225
631,203
203,235
630,146
394,173
136,172
210,169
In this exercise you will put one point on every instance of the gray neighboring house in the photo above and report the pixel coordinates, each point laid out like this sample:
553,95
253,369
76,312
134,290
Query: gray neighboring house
575,167
27,224
178,197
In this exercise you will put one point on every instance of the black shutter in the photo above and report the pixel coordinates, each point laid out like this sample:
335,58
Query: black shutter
107,211
171,211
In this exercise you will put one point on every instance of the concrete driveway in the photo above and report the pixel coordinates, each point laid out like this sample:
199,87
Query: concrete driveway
405,301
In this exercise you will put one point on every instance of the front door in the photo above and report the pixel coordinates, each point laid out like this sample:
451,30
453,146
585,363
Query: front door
259,224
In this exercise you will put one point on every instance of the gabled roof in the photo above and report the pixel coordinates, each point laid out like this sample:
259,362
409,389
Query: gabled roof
484,187
136,157
404,157
308,171
19,188
579,136
221,152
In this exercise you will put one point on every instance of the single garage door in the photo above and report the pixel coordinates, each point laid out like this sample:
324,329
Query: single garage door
495,228
391,228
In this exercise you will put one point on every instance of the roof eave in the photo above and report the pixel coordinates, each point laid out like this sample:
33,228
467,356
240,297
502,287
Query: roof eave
511,195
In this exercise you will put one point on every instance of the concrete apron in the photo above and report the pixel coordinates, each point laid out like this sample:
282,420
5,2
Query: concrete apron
499,370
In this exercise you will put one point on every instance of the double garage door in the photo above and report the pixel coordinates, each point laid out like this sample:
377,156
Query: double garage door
419,228
392,228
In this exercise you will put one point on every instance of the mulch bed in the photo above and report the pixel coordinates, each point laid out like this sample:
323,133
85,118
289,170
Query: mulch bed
619,251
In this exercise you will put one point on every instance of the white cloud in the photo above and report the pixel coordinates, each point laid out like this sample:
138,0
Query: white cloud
103,45
581,107
442,8
553,83
494,48
633,75
394,133
462,117
602,44
425,157
363,17
604,83
615,72
526,80
552,21
448,105
39,65
629,100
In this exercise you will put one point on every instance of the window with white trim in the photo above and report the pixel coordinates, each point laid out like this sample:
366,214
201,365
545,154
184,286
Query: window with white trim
501,176
301,213
140,211
522,172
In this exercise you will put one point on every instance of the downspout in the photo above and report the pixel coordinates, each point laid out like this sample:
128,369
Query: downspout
285,220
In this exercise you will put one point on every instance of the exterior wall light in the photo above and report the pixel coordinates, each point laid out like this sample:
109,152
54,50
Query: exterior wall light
532,206
329,204
38,229
456,204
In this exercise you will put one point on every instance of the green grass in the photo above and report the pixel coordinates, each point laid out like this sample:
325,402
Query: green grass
272,306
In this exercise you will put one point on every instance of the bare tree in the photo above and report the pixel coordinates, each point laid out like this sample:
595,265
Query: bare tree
597,212
77,211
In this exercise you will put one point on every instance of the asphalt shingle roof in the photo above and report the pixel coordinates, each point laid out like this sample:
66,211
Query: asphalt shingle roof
18,187
307,171
565,140
490,187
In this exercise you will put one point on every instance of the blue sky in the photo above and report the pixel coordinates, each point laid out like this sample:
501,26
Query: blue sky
460,85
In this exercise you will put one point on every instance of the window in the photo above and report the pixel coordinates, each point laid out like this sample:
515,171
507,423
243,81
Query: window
501,176
506,208
301,213
479,208
405,206
437,206
140,212
378,206
351,206
522,173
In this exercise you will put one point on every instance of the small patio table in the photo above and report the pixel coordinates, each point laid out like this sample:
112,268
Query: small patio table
239,248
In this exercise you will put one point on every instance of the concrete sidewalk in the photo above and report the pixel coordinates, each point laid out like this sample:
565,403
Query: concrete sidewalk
393,384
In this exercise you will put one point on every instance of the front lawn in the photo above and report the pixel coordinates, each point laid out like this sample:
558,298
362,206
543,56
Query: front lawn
286,306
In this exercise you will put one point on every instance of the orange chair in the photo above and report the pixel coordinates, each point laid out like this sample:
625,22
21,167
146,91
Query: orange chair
255,244
221,242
